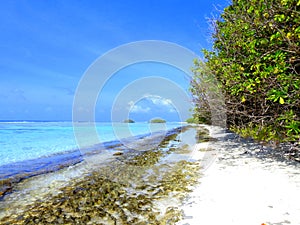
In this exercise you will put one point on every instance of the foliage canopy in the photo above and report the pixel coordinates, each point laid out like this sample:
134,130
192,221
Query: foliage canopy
157,120
256,60
128,121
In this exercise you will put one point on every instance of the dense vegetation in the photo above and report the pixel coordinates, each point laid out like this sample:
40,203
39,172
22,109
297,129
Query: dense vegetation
192,120
256,62
128,121
157,120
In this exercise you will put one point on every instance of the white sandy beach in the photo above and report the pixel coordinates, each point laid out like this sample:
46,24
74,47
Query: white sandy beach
242,189
235,188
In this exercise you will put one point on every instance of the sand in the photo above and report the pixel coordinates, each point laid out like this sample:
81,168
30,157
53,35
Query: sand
237,185
239,188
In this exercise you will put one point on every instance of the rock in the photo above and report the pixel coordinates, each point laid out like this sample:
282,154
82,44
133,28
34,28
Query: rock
118,153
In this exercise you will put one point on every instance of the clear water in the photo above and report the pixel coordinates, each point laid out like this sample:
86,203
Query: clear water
21,141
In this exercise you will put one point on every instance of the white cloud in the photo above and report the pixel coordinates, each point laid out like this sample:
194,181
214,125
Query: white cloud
137,108
151,102
158,100
172,110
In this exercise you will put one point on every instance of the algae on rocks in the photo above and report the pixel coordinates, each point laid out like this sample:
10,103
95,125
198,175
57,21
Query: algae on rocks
128,191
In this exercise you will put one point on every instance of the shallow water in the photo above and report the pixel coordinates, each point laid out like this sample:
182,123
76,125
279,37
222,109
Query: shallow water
142,172
32,148
30,140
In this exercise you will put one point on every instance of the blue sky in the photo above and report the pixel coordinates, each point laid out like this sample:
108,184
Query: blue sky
46,47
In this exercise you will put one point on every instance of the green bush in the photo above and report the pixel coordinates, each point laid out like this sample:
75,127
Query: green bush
128,121
256,60
192,120
157,120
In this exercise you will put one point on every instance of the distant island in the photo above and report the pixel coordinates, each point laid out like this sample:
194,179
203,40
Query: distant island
128,121
157,120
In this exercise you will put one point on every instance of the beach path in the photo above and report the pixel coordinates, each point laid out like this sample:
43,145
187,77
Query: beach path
240,188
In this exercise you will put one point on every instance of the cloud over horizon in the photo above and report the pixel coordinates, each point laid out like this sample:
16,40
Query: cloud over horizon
134,108
152,103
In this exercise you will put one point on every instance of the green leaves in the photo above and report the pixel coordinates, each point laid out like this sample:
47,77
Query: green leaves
279,18
293,127
281,100
254,57
276,36
277,96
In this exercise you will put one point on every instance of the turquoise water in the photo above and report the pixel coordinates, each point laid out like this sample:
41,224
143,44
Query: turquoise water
22,141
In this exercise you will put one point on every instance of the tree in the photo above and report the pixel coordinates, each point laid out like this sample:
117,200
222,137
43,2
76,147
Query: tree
200,92
207,97
157,120
256,60
128,121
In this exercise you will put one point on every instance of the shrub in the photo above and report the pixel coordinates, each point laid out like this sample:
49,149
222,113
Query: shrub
256,59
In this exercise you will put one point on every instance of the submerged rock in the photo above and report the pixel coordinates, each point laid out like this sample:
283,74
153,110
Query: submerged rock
136,188
118,153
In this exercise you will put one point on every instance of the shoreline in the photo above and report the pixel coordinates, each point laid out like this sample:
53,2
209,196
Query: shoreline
133,169
191,177
13,173
244,185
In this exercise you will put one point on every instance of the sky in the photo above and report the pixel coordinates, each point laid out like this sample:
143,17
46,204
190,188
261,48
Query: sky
46,47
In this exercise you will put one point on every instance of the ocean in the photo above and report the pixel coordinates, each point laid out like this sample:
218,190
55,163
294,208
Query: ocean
23,141
146,163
